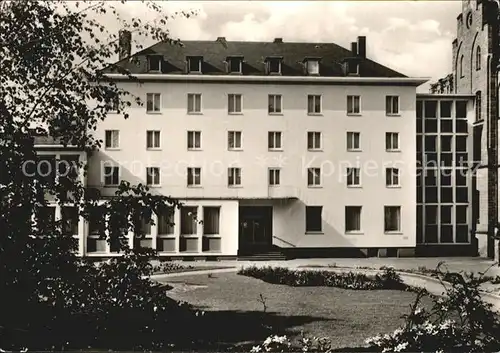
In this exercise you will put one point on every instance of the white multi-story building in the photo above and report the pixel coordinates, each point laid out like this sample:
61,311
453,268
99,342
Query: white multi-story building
303,147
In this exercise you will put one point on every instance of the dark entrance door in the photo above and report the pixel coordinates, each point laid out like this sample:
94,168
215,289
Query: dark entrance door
256,227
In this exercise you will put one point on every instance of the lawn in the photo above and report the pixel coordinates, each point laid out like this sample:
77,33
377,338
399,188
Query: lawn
348,317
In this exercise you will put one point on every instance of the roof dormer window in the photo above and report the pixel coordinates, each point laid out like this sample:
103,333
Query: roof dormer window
154,63
312,66
352,68
194,64
235,64
273,65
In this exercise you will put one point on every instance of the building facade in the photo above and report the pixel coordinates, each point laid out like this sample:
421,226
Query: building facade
475,72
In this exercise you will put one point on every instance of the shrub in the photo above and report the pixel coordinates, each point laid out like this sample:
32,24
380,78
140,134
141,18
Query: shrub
460,322
389,279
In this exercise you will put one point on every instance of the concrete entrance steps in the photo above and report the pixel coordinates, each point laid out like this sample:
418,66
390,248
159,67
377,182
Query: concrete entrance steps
263,256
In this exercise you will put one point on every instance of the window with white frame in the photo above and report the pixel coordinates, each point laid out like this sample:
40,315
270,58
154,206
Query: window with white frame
194,64
194,176
314,104
111,176
234,176
194,103
353,105
153,176
154,63
353,177
112,139
274,140
314,177
153,102
392,177
274,106
273,65
392,141
314,140
274,176
314,219
234,103
352,219
392,218
194,140
312,66
189,223
152,139
166,220
211,220
235,65
392,105
234,140
353,143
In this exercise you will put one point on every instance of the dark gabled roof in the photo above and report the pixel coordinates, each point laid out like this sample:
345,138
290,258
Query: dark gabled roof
254,53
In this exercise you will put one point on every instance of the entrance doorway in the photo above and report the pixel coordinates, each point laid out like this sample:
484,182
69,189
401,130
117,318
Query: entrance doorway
256,228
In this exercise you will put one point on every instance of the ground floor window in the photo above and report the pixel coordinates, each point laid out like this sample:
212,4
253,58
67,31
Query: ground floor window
392,218
314,219
352,219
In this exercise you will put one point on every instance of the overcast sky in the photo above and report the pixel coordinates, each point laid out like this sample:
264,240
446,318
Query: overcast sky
413,37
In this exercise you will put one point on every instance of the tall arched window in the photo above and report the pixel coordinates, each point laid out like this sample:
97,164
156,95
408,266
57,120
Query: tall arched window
462,66
478,58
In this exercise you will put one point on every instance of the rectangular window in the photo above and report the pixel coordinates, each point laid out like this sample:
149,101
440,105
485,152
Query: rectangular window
353,141
70,219
194,64
112,139
274,140
153,104
274,66
111,176
154,63
314,177
153,139
313,140
392,177
314,219
194,176
274,177
314,104
313,67
189,221
211,220
392,218
478,106
353,177
194,103
234,140
235,65
274,104
353,105
166,220
352,219
194,140
153,176
392,105
391,141
234,103
234,176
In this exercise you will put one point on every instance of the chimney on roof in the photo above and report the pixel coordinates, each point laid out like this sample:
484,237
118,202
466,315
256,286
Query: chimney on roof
278,40
362,46
354,49
124,44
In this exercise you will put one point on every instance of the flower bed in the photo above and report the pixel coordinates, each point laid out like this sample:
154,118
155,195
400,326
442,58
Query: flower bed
389,279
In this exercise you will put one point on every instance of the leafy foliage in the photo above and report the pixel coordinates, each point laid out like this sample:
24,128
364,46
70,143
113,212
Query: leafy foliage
389,279
52,56
460,322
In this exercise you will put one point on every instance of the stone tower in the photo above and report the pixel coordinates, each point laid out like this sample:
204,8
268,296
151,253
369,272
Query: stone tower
475,61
